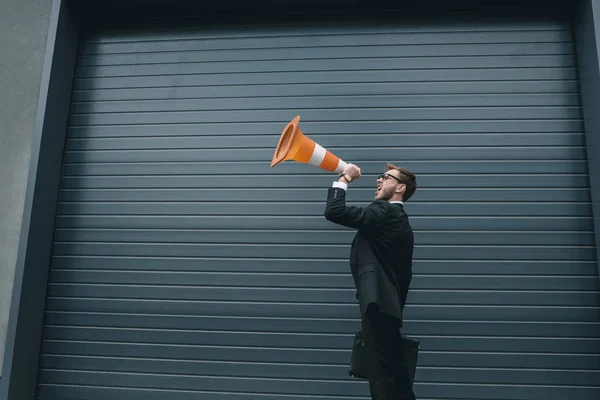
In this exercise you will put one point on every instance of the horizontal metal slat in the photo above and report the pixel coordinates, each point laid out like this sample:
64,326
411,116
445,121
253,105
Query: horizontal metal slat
209,236
338,140
579,253
200,367
329,77
529,209
270,179
143,293
318,341
238,222
300,279
355,63
283,265
330,102
368,170
264,25
245,324
100,393
327,102
312,38
507,391
310,372
231,264
300,387
341,128
372,153
475,295
460,294
436,51
320,310
324,326
318,356
75,282
359,194
262,385
318,89
190,352
516,376
505,267
207,338
322,237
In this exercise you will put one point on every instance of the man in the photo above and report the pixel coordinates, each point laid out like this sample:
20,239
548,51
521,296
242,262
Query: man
381,265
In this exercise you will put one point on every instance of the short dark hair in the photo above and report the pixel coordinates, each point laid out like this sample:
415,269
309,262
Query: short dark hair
409,179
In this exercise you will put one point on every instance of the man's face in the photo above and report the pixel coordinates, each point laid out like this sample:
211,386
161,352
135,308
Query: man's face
387,183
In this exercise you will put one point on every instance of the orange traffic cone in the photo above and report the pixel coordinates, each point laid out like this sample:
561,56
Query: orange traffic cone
293,145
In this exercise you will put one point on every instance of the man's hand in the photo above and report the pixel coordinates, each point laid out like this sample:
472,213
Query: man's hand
353,171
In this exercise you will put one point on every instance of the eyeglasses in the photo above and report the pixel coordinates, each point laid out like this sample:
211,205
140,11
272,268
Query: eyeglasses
385,177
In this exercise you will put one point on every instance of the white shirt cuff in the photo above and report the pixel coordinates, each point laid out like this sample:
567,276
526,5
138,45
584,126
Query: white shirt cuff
340,185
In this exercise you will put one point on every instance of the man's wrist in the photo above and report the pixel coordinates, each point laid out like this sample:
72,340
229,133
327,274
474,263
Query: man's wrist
345,178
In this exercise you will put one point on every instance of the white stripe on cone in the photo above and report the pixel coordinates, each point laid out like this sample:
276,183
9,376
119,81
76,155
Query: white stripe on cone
317,156
341,166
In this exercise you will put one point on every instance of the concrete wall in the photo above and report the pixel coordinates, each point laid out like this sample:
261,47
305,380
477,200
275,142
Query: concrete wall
23,34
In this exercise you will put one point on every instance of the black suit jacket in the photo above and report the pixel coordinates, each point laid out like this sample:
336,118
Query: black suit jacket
381,253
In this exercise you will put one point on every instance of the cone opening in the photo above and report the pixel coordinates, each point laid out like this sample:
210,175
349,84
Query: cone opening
285,141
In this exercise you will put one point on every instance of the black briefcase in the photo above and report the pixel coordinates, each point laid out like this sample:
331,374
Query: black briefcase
358,367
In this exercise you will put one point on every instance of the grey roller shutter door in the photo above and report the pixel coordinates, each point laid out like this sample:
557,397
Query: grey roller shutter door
185,267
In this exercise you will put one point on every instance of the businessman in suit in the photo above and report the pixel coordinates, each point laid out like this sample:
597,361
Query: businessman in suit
381,266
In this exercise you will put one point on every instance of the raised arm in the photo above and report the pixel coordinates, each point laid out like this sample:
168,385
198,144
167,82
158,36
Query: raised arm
338,212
